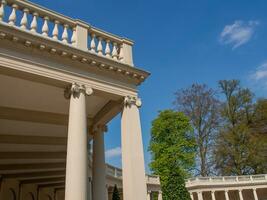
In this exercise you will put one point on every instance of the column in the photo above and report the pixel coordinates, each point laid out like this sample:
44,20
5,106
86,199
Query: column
90,189
133,167
76,164
255,194
191,196
107,192
160,195
148,197
99,166
240,194
199,195
226,195
213,195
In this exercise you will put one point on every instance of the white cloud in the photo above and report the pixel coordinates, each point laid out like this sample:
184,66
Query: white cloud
115,152
260,74
238,33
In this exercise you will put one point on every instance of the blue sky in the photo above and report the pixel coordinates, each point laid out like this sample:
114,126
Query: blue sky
180,42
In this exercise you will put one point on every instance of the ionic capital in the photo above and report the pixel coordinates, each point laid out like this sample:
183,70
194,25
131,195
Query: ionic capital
75,89
130,100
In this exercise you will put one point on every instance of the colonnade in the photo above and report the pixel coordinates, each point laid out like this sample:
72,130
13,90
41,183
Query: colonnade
226,194
134,183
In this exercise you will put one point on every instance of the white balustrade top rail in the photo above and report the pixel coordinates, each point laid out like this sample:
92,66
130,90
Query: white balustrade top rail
227,179
35,19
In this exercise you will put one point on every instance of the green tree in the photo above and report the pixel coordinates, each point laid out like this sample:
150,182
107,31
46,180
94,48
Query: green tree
238,147
116,194
173,151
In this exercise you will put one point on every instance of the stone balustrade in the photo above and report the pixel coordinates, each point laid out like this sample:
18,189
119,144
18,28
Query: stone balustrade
226,180
228,187
27,16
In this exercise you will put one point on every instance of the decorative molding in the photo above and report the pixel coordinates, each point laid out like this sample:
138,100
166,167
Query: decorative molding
130,100
75,89
43,43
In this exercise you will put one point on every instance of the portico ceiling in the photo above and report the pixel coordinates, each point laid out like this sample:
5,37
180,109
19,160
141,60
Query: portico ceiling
34,96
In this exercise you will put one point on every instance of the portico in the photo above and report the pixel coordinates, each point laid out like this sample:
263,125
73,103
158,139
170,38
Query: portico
62,81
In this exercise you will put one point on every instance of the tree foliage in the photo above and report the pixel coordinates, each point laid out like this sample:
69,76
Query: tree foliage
116,194
201,106
239,147
173,152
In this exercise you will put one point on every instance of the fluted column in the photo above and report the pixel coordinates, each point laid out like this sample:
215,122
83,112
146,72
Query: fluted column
199,195
99,166
77,163
134,182
160,195
213,195
240,195
255,194
191,196
226,195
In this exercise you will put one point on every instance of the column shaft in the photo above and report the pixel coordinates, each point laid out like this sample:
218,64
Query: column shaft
134,182
213,195
99,166
226,195
148,197
160,195
191,196
199,196
240,195
76,166
255,194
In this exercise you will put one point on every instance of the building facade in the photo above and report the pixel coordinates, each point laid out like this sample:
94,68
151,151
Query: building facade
61,81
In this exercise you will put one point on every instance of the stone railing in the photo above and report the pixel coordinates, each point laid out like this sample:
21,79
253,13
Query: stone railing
226,179
117,173
113,171
43,22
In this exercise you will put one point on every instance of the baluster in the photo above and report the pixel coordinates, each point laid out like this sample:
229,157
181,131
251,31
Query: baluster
115,51
73,37
121,53
107,50
34,22
92,45
65,34
2,10
24,19
13,16
99,46
45,28
55,30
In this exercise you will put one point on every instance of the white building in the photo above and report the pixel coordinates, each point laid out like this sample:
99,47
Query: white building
61,81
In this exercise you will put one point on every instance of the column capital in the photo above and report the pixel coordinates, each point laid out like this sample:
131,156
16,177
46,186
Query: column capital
75,89
100,128
131,100
254,189
149,191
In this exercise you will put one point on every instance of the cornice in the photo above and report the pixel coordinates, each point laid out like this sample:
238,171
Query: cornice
67,51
